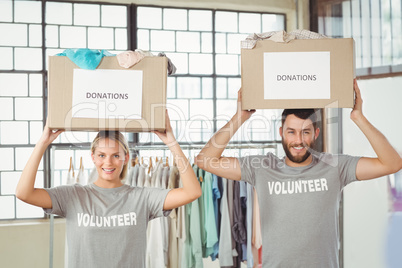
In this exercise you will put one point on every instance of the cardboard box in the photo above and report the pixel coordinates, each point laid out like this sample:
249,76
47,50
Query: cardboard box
304,73
108,98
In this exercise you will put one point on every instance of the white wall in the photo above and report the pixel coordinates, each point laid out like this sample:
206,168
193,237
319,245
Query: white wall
366,203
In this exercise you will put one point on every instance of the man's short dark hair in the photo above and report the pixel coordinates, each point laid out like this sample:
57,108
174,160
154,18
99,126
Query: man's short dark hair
302,114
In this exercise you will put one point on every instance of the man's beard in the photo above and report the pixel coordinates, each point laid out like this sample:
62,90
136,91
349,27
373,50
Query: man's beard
299,158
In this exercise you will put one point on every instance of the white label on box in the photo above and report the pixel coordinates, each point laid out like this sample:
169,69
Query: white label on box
297,75
107,94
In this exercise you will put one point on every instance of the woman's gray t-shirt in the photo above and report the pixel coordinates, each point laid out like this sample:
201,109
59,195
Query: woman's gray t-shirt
106,227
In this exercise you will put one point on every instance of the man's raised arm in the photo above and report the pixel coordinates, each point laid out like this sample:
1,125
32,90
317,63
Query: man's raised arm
388,160
210,158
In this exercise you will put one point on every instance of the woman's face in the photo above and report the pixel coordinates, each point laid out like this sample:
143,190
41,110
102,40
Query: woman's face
109,158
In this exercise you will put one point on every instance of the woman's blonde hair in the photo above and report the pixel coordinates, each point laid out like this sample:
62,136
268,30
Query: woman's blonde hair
120,139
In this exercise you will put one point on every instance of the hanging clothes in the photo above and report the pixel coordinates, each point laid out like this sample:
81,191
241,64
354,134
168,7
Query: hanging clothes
70,174
225,238
192,250
81,176
174,235
257,236
211,235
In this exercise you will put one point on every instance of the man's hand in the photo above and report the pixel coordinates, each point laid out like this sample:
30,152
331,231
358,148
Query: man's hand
357,112
244,115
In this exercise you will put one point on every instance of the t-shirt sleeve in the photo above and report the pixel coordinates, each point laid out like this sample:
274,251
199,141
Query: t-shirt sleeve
347,168
156,199
247,170
60,198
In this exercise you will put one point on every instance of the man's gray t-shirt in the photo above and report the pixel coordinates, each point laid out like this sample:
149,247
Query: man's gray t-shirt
106,227
299,207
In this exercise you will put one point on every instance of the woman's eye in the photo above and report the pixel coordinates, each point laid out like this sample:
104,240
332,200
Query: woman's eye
117,156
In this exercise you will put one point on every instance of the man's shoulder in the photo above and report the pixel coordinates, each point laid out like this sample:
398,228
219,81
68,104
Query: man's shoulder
333,159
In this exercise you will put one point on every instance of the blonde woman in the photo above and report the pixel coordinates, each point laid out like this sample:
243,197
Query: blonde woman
106,221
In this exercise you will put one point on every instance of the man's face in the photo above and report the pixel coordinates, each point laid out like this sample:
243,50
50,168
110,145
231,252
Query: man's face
298,136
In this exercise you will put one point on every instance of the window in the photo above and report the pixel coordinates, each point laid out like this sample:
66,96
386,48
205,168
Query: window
375,26
203,44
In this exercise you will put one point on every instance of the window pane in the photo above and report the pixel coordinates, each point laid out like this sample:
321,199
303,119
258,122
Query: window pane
200,63
180,60
221,88
13,132
28,108
226,21
188,42
7,109
17,32
7,207
6,11
13,85
193,131
22,155
234,84
120,39
9,182
52,36
396,32
143,39
35,131
206,42
200,20
73,37
178,109
35,85
6,58
375,32
227,64
226,107
28,11
175,19
273,22
202,109
188,87
59,13
33,54
207,88
234,42
35,35
162,41
149,17
100,38
249,23
220,43
114,16
88,15
171,87
7,162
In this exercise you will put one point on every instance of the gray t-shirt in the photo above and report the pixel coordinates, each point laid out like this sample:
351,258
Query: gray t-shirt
299,207
106,227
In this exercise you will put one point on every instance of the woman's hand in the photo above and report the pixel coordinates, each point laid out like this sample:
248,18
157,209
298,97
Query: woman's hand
167,137
48,135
